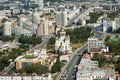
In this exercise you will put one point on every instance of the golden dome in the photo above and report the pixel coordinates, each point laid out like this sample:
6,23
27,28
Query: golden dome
61,46
62,30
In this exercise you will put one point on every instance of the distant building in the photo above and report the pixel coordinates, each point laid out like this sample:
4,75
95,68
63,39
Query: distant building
3,1
43,28
36,18
7,28
40,3
62,43
61,18
26,28
27,4
105,25
118,1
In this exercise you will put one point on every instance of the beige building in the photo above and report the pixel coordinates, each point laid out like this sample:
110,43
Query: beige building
38,56
42,29
24,62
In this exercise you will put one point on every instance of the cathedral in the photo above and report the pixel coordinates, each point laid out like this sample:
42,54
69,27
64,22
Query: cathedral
62,43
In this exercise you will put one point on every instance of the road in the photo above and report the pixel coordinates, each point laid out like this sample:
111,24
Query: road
81,15
8,68
67,71
12,64
73,19
43,43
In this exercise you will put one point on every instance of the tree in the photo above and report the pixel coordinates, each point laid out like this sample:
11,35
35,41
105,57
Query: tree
34,68
23,46
52,41
7,38
94,17
117,65
107,38
56,66
33,40
100,58
76,35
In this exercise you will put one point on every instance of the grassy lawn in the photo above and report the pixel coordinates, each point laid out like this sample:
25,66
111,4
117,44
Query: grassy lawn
49,47
76,45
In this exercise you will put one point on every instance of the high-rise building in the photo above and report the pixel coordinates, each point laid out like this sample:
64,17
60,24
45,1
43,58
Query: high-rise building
7,28
27,4
104,25
42,30
40,3
36,18
61,18
118,1
114,26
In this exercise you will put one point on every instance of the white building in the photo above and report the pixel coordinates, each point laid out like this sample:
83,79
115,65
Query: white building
98,74
7,28
104,25
61,18
62,43
92,43
88,70
114,26
83,22
40,3
36,18
64,57
73,13
26,77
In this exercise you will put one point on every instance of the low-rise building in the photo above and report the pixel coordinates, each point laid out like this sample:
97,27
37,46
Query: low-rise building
25,77
38,56
30,58
88,70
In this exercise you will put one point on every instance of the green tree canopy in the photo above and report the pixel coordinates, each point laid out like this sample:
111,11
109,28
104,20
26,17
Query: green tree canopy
34,68
32,40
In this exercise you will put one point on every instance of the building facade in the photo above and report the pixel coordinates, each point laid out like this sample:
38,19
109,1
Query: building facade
7,28
43,28
61,18
46,76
